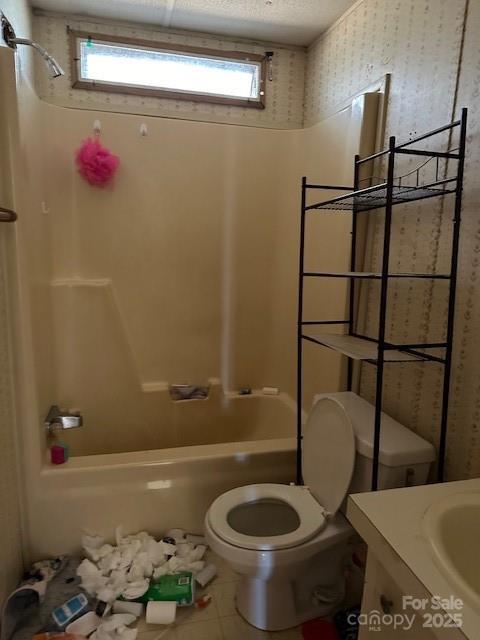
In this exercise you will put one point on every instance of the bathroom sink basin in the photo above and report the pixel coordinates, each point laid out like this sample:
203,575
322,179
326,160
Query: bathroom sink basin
452,527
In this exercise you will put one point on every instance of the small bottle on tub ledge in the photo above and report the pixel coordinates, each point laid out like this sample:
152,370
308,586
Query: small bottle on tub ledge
59,453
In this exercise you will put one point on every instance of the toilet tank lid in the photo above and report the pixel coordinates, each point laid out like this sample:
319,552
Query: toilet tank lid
399,446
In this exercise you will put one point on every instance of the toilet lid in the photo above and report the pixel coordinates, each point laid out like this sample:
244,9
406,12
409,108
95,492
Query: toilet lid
328,453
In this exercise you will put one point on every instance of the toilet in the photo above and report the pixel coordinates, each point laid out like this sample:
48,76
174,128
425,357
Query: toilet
290,543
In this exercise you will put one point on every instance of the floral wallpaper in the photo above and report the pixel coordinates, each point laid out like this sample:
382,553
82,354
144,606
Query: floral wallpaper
432,53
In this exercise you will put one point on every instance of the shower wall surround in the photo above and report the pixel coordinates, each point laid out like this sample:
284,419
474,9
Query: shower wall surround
429,46
284,98
158,275
10,525
180,271
10,552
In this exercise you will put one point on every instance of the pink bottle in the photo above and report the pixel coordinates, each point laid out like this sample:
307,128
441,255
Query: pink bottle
58,453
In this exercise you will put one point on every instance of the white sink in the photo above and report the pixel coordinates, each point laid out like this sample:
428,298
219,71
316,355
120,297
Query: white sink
452,527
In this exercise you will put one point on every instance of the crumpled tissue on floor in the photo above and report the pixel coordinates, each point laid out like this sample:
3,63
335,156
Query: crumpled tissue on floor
125,569
115,627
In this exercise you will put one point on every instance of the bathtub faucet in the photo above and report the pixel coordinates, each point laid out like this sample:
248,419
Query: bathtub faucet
62,418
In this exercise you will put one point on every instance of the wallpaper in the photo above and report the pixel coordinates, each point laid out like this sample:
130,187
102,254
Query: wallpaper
464,436
284,94
429,47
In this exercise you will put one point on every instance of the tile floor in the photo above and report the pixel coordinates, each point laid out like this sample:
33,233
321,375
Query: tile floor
218,621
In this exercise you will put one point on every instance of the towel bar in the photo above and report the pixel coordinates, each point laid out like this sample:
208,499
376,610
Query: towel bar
7,215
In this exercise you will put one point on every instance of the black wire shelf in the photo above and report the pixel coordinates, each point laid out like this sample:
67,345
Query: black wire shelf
365,348
376,197
391,190
367,275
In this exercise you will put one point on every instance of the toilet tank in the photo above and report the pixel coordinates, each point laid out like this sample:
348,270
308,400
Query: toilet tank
404,457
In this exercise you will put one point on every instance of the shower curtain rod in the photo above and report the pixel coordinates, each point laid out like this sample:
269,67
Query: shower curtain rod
7,215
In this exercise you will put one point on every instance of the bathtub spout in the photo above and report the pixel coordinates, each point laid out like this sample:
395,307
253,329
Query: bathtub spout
63,419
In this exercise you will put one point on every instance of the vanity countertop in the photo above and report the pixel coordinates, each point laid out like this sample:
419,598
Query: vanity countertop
391,524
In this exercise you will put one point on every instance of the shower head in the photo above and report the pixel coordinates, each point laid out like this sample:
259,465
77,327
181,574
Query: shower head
54,69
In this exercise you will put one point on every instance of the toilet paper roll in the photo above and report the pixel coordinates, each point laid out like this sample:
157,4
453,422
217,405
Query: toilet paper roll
206,575
85,625
161,612
198,552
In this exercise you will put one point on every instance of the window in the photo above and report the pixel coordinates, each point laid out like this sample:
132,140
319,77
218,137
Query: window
111,63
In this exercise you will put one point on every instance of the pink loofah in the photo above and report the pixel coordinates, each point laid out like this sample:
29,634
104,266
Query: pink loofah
95,163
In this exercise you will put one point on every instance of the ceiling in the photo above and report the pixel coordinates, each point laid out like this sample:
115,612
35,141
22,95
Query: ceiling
294,22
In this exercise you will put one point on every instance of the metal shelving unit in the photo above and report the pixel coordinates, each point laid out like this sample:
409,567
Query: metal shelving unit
377,351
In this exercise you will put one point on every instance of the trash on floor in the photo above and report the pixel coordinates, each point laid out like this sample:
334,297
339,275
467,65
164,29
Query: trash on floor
346,621
161,612
178,587
319,628
101,596
206,575
47,585
116,627
136,562
203,601
69,610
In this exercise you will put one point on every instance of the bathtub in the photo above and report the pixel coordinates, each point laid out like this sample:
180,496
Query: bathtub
156,489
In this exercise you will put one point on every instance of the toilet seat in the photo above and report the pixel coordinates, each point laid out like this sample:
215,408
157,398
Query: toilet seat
309,511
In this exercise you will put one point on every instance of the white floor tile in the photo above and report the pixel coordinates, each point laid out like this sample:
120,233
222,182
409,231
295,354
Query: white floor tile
161,632
236,628
224,596
148,629
142,624
206,630
288,634
189,615
219,620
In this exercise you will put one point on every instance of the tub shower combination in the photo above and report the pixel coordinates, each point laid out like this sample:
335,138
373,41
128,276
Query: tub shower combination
221,443
141,459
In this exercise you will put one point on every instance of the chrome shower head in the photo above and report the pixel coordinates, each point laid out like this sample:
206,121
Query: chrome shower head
55,70
53,67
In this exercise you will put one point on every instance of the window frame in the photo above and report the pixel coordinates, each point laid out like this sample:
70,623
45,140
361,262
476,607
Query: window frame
92,85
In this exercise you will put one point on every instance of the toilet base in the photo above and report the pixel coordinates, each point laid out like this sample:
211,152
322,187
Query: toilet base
286,601
266,604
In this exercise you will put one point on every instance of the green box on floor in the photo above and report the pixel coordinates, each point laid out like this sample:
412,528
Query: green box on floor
179,587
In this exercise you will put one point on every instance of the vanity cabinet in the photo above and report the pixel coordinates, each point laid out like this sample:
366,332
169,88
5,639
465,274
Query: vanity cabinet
405,595
383,596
